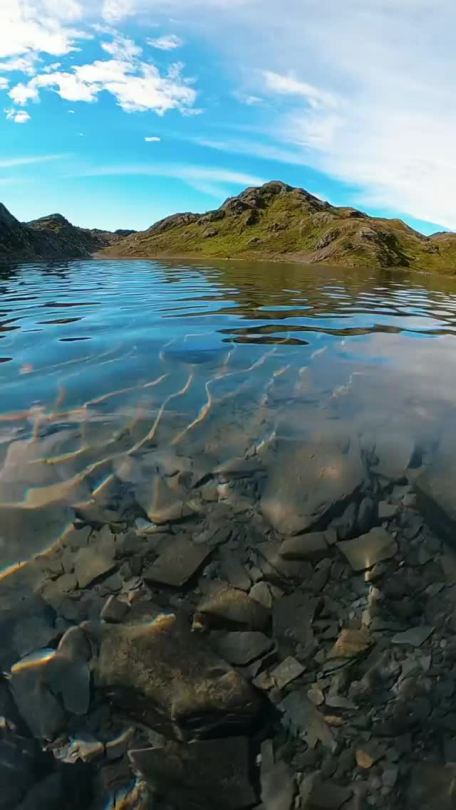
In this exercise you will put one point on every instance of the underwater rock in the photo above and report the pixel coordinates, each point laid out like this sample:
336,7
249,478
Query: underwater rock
166,676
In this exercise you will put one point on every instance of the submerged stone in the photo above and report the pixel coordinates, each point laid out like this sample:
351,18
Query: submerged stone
350,644
200,776
371,548
231,606
312,546
167,676
241,649
308,482
177,563
435,489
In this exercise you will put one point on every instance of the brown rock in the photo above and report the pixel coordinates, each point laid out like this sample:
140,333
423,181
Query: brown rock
167,677
350,644
231,607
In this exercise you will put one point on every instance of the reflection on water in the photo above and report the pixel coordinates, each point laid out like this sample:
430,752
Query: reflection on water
201,363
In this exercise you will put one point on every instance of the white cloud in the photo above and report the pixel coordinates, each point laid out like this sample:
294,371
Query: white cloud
38,26
21,64
18,116
137,85
166,43
113,11
152,139
3,83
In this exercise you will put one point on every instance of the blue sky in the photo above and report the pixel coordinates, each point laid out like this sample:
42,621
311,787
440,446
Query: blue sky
120,112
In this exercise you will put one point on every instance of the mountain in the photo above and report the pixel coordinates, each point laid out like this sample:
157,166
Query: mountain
51,237
279,221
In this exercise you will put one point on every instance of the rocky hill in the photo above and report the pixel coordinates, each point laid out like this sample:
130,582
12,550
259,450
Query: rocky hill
51,237
279,221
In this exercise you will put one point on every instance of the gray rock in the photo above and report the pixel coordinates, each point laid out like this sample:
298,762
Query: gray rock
309,481
114,610
415,637
167,676
312,546
319,794
435,488
386,510
277,781
177,563
394,454
200,776
241,648
432,786
371,548
92,562
234,572
286,672
304,720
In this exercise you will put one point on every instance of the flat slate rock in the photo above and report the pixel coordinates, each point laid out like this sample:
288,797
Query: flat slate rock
202,775
319,794
286,672
177,563
415,637
169,678
366,551
311,546
432,787
227,607
304,720
435,488
241,648
93,562
277,781
308,481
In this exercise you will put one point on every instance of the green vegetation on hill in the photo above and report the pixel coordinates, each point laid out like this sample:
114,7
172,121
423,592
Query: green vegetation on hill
277,221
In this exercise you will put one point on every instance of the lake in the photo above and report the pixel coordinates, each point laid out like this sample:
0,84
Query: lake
168,427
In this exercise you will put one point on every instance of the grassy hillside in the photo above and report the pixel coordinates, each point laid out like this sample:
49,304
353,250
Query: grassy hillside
278,221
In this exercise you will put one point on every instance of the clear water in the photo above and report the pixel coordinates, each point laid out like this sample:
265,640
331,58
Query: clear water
101,360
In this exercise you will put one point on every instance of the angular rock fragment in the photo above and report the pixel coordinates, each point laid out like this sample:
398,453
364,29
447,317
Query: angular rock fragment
309,481
286,672
394,454
242,648
369,549
161,503
304,719
114,610
200,776
277,782
415,637
435,488
350,644
320,794
230,607
177,563
92,562
166,676
311,546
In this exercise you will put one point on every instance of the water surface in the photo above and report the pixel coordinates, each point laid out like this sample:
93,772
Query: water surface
102,361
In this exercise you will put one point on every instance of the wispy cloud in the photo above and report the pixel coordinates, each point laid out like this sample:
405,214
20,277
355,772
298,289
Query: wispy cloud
289,85
13,163
169,42
210,180
152,139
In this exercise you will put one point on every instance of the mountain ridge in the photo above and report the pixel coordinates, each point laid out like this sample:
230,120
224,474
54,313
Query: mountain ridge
281,222
50,237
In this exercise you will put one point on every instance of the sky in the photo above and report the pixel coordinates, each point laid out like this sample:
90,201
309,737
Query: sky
120,112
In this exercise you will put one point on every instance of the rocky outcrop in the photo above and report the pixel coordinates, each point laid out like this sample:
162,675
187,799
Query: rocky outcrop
50,237
279,221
